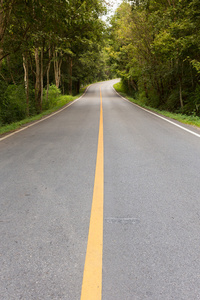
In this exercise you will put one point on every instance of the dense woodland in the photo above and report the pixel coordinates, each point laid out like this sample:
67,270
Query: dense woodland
52,48
47,47
155,49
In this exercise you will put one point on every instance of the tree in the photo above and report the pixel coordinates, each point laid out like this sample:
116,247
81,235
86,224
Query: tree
35,36
157,51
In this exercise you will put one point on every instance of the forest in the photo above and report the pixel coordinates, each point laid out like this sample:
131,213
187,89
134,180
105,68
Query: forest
155,49
49,49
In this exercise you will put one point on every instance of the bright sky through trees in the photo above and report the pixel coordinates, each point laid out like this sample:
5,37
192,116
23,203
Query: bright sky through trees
112,5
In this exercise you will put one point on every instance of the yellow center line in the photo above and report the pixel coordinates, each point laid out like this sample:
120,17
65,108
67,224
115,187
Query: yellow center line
92,277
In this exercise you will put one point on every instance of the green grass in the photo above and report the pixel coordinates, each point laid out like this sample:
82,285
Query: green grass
191,120
62,101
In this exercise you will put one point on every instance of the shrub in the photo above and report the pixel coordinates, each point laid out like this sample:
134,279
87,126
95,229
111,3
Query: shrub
53,96
192,103
173,101
13,107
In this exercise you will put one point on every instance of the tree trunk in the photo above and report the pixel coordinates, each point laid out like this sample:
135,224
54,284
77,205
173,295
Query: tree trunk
5,12
191,72
41,76
59,72
48,70
70,75
2,17
26,82
180,93
146,90
9,67
57,68
134,84
180,72
37,80
55,62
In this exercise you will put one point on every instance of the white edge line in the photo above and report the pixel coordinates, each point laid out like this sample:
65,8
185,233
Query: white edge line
167,120
51,115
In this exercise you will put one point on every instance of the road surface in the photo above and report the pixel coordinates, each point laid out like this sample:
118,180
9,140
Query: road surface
149,215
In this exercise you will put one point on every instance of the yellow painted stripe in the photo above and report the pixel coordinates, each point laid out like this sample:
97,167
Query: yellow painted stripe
92,277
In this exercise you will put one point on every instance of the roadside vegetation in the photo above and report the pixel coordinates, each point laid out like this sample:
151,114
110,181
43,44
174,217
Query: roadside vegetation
48,52
186,119
59,101
155,50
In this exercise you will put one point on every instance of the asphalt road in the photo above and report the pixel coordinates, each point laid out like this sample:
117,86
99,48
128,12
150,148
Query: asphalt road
151,229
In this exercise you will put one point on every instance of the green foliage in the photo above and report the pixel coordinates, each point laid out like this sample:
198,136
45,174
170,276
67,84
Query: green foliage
155,48
59,45
192,102
119,87
53,96
172,103
191,120
62,100
13,107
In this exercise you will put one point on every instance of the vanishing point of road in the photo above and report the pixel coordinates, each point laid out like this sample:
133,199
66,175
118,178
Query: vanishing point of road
100,201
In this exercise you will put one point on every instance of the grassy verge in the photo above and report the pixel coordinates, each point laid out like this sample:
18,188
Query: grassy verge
191,120
62,101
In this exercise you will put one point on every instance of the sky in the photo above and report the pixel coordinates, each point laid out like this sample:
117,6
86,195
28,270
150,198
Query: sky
113,4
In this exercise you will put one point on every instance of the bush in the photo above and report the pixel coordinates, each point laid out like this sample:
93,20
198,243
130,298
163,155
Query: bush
173,101
13,107
3,87
119,87
53,96
141,97
192,102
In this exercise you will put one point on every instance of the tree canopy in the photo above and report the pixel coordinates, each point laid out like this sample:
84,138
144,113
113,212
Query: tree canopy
156,51
44,43
153,45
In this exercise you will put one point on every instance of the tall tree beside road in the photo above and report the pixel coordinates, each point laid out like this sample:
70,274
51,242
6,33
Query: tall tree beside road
39,35
156,49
